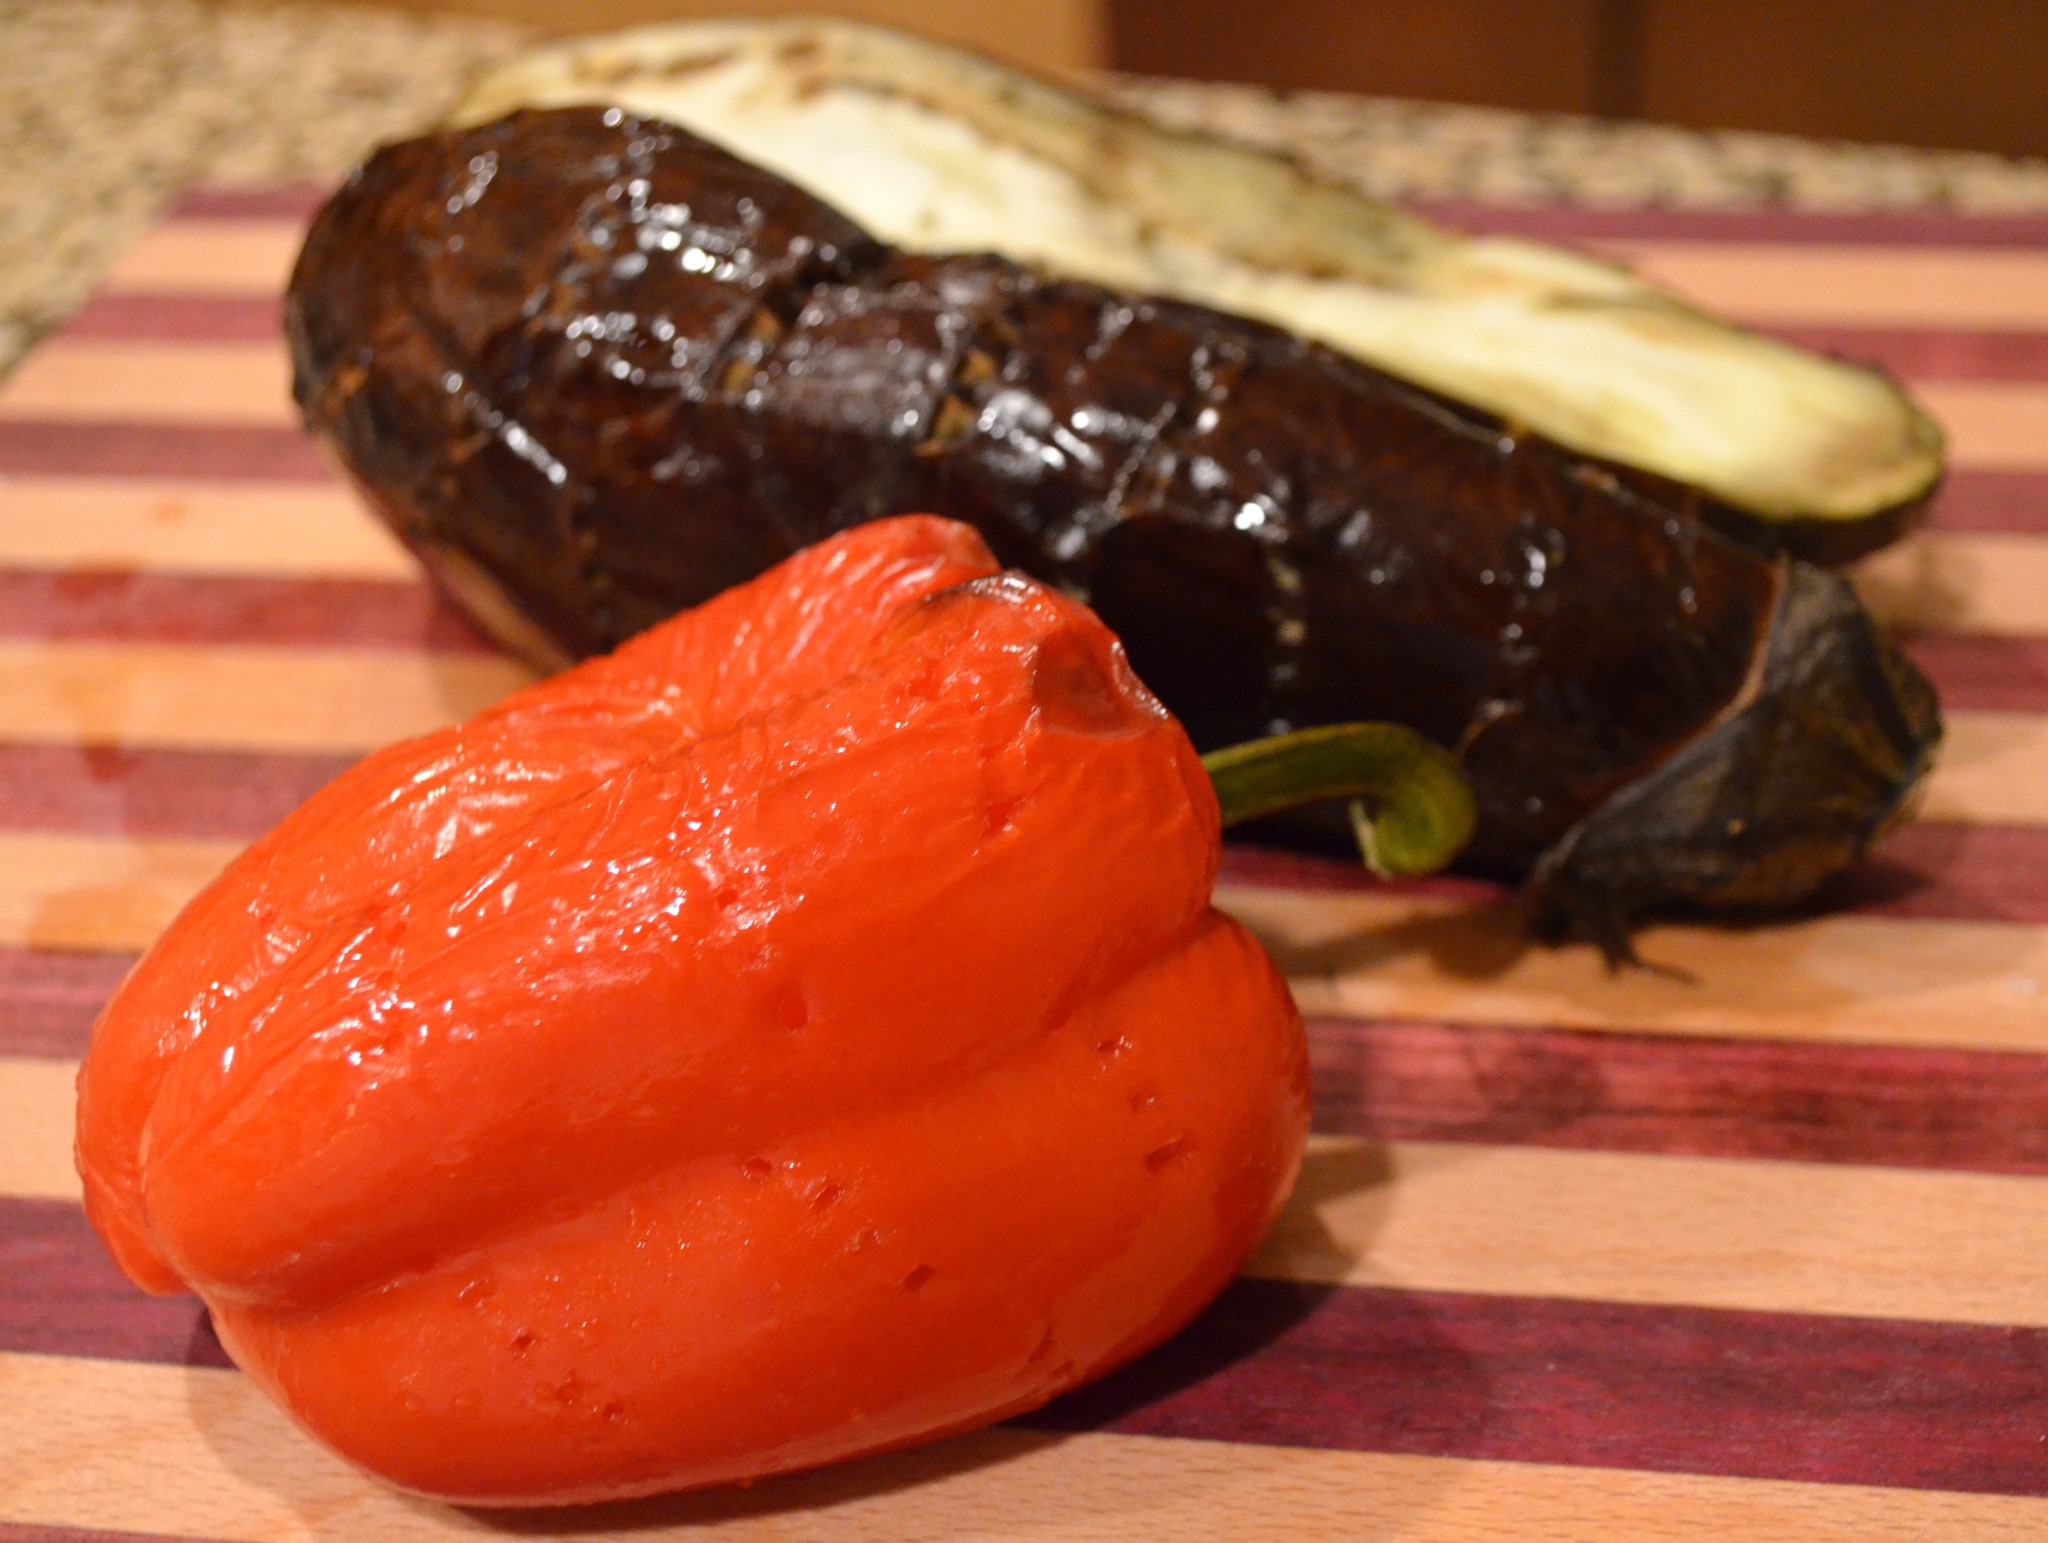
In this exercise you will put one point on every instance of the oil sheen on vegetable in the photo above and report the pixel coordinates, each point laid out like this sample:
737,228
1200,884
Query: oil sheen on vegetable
594,369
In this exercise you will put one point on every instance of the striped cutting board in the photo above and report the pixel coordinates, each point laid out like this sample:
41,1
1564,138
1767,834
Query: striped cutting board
1751,1246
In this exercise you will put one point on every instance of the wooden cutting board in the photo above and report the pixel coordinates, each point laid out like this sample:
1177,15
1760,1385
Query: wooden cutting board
1754,1245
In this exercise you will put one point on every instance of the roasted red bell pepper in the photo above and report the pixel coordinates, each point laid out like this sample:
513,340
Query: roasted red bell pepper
799,1033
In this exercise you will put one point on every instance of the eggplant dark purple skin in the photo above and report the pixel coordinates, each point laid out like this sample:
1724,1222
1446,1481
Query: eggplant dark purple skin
594,370
1832,543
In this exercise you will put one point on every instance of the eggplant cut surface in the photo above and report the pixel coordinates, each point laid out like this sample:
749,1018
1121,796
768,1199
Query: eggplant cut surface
937,150
594,369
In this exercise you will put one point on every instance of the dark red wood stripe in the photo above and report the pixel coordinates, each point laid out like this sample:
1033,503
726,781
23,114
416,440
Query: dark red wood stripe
1997,673
48,1000
1559,222
2008,501
61,1294
1931,869
1689,1390
1935,869
130,791
258,201
1517,1379
1915,354
1953,872
1597,1090
1969,670
31,447
199,318
1584,1089
1968,500
132,606
1912,354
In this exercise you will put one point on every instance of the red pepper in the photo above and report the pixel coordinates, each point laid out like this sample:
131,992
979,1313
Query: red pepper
802,1032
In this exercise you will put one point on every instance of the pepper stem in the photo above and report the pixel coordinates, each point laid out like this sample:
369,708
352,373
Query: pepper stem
1411,807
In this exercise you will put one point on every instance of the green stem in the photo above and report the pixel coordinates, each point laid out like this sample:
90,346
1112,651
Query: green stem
1411,806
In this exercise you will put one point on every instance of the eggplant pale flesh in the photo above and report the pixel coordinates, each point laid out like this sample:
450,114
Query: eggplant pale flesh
594,369
937,150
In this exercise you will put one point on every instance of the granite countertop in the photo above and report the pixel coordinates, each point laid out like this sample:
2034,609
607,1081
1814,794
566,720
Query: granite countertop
109,107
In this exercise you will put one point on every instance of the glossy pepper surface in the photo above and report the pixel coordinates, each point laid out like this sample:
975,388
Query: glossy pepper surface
801,1032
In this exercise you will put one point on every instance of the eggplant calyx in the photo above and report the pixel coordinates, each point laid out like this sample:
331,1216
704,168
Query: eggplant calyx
1824,756
1411,807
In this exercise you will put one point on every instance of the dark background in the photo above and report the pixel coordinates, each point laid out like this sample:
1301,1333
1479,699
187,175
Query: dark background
1962,74
1965,74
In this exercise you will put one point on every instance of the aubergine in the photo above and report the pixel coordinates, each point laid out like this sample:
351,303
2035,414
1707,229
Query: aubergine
937,150
594,369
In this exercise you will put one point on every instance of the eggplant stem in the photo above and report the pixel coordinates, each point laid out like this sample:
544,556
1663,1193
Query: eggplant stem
1411,807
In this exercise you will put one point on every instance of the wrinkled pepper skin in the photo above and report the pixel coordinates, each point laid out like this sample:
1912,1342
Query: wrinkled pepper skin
802,1032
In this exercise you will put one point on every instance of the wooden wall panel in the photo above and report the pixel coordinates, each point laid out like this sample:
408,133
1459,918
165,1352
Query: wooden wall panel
1968,74
1965,74
1507,52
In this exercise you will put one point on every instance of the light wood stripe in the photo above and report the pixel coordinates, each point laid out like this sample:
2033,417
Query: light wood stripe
1960,985
36,1103
1833,979
1943,1246
210,257
199,1452
1993,770
239,698
1780,282
1793,284
1932,581
261,529
1697,1231
103,893
1993,425
123,380
1948,581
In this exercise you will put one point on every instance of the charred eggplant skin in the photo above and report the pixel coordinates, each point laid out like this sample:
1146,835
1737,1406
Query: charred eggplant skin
939,150
1830,543
594,370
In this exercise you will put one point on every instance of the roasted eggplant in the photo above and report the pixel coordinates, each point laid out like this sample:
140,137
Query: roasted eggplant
594,369
936,150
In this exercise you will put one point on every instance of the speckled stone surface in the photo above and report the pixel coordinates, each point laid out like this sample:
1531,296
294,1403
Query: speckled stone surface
1423,150
109,107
